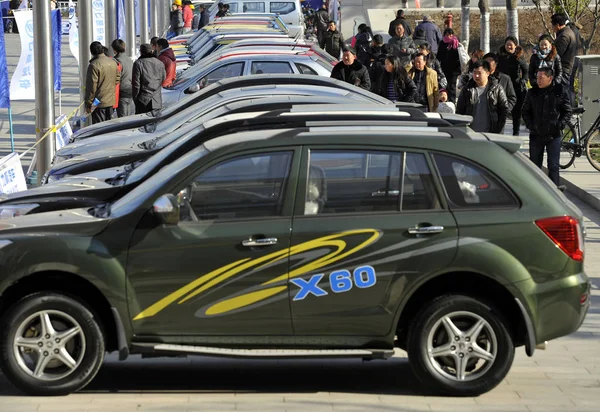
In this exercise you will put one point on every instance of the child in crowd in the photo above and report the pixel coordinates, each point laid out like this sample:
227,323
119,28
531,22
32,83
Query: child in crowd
445,106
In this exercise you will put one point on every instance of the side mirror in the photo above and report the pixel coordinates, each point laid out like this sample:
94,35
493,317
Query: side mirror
166,209
196,87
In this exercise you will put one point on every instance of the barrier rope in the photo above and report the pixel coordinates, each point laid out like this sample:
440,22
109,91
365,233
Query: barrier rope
52,129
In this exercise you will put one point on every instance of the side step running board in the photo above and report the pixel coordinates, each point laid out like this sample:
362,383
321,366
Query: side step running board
168,349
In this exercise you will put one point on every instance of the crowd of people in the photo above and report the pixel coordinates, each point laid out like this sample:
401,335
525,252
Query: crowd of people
124,86
435,70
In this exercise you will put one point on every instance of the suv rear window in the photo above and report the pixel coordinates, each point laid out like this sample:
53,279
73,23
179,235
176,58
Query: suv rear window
469,186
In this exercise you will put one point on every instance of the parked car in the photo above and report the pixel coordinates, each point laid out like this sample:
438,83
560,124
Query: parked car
302,241
246,62
290,11
140,120
123,147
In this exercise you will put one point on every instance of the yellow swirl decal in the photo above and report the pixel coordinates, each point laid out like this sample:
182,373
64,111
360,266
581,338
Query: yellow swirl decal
337,243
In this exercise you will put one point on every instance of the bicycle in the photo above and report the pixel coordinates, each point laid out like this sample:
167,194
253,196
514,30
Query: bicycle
573,144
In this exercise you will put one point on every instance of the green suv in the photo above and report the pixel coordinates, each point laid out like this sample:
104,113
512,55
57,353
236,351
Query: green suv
303,242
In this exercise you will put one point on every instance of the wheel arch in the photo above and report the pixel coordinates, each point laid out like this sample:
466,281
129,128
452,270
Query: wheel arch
74,286
467,283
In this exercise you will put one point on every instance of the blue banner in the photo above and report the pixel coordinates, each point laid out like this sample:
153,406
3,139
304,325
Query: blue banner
4,84
56,46
121,19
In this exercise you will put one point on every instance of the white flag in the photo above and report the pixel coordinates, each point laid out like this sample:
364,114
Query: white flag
22,84
73,31
12,178
98,21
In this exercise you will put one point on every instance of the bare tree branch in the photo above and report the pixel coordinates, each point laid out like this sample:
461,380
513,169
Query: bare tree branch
538,8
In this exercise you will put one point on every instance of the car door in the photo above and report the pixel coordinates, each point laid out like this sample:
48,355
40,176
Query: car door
367,223
223,269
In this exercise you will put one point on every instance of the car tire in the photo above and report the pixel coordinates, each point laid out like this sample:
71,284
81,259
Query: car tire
453,331
50,345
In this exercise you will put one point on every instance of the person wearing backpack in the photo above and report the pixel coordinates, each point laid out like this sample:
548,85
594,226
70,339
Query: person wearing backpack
363,46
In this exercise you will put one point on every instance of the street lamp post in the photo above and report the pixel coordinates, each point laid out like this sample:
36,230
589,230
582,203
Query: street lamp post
110,16
130,28
44,84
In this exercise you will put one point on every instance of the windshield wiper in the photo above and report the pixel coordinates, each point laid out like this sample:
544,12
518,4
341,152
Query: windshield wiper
150,144
102,211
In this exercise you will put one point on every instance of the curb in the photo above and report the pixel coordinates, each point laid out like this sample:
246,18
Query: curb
579,193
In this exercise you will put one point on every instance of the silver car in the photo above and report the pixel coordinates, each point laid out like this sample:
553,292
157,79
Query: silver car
245,62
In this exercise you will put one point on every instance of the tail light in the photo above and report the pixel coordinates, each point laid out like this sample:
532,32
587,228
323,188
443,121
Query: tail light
566,233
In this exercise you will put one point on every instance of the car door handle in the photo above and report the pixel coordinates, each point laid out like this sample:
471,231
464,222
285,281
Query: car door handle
425,230
384,193
268,241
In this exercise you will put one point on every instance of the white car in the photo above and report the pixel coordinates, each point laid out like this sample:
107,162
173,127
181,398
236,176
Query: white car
245,62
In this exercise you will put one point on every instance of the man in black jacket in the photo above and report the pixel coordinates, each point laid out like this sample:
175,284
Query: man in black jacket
321,21
565,43
332,41
504,80
484,99
350,70
399,20
545,112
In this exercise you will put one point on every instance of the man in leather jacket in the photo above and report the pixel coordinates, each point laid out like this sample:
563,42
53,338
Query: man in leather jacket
545,112
484,99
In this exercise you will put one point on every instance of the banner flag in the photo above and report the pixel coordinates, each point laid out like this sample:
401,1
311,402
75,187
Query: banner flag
120,20
73,32
4,84
12,178
56,19
22,84
99,31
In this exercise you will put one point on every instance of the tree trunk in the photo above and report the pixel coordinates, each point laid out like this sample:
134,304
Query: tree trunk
512,18
439,4
465,20
484,9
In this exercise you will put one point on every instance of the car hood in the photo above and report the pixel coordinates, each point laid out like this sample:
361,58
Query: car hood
100,159
123,140
75,220
121,123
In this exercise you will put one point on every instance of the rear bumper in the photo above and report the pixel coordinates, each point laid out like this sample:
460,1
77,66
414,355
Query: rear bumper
554,307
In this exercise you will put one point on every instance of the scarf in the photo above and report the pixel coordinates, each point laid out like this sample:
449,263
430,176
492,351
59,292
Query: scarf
452,42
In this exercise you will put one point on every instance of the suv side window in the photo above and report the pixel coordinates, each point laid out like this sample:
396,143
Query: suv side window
470,186
282,7
271,67
368,181
224,72
245,187
253,7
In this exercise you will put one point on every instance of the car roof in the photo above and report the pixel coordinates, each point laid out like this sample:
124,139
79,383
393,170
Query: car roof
258,79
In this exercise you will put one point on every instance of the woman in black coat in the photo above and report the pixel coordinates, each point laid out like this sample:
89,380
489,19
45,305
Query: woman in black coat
395,83
512,62
544,55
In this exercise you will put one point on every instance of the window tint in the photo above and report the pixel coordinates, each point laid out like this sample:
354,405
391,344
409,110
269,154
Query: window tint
282,7
253,7
470,186
271,67
418,191
224,72
368,181
245,187
233,7
304,69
